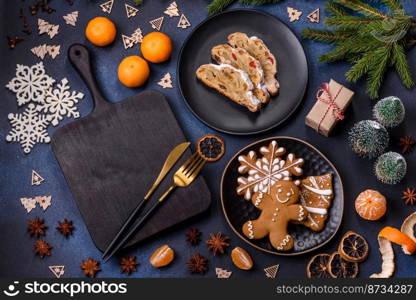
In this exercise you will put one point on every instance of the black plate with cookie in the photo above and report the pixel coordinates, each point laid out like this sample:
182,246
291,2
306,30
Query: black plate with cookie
216,110
238,210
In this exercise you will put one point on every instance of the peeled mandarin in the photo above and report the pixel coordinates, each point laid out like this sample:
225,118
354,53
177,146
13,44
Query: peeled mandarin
162,256
371,205
241,258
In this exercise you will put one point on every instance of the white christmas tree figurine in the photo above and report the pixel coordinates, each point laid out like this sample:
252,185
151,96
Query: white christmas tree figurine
172,10
183,22
131,11
71,18
157,23
166,81
107,7
293,14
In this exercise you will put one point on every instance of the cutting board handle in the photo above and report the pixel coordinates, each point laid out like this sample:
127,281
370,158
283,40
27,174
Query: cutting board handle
79,56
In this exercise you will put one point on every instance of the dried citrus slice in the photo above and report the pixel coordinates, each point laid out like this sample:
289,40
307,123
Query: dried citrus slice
211,147
318,266
353,247
340,268
396,236
371,205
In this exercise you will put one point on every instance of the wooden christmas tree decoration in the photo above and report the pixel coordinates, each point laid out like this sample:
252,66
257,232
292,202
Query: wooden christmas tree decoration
28,203
54,31
166,81
183,22
157,23
221,273
44,201
107,6
172,10
314,16
58,271
137,35
271,271
40,51
36,178
43,26
294,14
131,11
71,18
128,41
53,51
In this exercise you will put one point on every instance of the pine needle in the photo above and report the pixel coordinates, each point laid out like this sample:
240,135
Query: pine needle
379,65
402,66
324,36
217,6
349,22
335,9
362,8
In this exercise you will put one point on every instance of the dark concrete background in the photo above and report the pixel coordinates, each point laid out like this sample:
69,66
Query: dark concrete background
16,256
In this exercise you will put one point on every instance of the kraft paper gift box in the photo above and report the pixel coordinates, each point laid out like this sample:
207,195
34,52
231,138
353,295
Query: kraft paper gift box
332,101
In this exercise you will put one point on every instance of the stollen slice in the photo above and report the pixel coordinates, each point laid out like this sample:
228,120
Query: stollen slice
258,49
231,82
241,59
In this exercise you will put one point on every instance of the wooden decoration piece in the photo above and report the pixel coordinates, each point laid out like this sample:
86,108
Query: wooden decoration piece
314,16
44,201
58,271
40,51
71,18
271,271
157,23
45,27
166,81
28,203
53,51
36,178
128,41
131,11
183,22
107,7
294,14
221,273
54,31
172,10
137,35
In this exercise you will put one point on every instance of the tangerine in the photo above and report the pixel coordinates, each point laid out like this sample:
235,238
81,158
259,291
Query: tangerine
156,47
133,71
371,205
100,31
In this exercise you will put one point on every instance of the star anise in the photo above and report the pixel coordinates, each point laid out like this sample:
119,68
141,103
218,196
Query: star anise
42,248
409,196
65,227
90,267
217,243
197,264
407,143
36,227
193,236
128,264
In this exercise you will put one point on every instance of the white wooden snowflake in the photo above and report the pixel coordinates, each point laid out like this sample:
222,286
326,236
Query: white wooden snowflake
60,102
30,83
262,173
29,128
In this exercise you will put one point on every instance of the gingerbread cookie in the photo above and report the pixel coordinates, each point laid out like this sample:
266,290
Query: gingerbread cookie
277,209
262,173
316,196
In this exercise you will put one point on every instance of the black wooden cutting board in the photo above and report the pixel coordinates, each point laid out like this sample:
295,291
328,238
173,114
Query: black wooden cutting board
111,157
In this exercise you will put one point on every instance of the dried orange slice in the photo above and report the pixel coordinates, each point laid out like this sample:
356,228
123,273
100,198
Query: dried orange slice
318,266
371,205
353,247
340,268
396,236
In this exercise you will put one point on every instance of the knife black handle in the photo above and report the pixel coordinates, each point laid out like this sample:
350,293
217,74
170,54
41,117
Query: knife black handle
115,246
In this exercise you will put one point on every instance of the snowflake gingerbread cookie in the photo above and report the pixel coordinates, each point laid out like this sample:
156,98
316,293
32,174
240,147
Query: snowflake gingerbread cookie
263,173
278,208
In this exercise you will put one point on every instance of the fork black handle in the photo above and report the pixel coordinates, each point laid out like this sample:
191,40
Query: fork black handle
115,245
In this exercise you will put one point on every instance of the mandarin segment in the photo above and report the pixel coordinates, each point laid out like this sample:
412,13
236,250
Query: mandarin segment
162,256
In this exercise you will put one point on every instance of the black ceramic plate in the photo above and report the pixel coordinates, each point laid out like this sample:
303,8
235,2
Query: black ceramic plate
221,113
237,210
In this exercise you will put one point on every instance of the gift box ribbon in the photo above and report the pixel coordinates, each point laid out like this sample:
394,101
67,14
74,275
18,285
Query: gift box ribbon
324,95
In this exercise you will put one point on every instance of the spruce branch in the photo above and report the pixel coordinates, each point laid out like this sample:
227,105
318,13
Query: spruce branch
217,6
371,40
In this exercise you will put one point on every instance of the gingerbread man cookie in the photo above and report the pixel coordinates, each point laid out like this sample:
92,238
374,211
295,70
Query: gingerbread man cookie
277,210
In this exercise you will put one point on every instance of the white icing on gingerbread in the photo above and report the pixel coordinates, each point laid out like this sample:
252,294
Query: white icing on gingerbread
250,230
